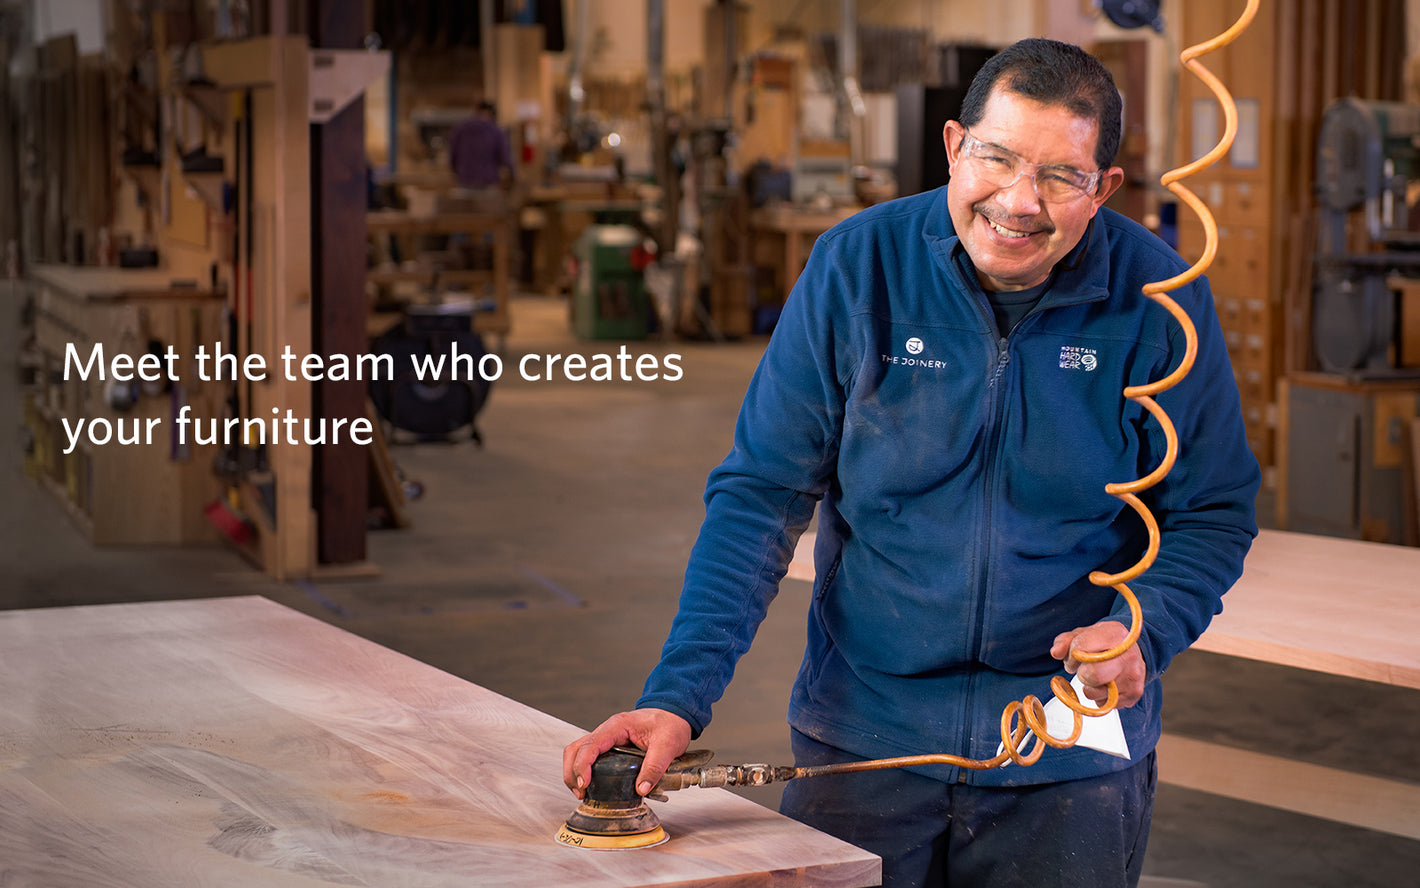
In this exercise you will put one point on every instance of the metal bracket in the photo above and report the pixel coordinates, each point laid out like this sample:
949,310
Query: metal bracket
339,76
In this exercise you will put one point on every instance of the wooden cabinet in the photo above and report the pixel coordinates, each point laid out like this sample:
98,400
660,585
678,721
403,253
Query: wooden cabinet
1346,470
155,489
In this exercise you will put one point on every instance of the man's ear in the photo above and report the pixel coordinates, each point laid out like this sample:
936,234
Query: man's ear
952,134
1109,183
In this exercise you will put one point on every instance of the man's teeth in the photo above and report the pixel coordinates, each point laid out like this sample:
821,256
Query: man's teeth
1007,232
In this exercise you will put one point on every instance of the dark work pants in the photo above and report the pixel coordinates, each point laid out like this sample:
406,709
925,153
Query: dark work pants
1089,832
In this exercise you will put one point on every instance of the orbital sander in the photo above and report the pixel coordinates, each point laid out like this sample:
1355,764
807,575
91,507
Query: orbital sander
612,816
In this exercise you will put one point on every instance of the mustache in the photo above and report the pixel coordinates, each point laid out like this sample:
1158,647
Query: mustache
1015,223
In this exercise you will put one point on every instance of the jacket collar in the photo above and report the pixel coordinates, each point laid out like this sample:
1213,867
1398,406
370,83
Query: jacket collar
1081,276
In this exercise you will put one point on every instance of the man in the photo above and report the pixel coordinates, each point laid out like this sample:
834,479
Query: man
478,150
482,163
945,384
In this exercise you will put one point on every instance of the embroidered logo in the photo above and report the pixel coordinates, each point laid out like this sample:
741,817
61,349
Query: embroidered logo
914,346
1076,357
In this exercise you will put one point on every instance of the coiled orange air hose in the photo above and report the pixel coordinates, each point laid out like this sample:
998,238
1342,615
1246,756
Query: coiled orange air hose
1026,717
1022,718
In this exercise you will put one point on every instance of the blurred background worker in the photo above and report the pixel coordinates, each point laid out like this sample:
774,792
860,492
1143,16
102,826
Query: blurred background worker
478,150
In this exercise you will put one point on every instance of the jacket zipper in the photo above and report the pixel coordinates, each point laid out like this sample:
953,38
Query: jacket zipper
1003,358
978,628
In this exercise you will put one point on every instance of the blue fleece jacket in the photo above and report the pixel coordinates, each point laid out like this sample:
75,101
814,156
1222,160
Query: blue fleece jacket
960,480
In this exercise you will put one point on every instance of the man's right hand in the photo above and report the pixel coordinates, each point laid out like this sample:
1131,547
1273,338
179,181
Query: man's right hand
663,735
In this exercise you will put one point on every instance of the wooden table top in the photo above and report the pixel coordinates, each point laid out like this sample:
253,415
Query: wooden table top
236,742
783,217
1331,605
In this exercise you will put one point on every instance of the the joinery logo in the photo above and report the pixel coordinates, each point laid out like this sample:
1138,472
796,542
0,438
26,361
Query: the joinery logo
915,347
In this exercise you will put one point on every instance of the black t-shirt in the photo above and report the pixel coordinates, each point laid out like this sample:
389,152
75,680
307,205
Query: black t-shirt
1012,305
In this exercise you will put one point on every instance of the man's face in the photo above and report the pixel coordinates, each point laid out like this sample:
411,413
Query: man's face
1013,237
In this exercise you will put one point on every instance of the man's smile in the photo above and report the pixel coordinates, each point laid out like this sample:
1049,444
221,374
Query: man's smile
1010,229
1006,232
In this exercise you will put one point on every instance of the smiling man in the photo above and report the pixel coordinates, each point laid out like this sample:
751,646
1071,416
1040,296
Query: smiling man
945,386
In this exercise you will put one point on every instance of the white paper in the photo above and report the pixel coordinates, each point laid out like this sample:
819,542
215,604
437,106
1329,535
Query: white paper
1102,733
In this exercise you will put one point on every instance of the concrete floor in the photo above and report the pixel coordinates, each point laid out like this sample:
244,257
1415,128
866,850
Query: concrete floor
546,567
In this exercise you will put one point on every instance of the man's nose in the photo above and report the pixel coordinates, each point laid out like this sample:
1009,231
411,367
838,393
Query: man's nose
1019,198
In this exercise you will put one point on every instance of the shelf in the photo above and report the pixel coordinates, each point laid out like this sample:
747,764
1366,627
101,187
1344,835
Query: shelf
209,187
209,99
400,277
148,178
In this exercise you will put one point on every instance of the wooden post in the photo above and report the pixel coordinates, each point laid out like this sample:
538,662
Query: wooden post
284,318
340,472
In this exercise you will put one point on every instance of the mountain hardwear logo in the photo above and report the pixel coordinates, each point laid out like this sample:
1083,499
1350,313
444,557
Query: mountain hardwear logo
914,346
1075,357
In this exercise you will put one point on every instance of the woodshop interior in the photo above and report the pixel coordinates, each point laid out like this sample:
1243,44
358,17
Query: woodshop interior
269,180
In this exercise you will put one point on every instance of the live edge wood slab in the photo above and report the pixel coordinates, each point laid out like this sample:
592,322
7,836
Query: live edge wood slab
236,742
1344,607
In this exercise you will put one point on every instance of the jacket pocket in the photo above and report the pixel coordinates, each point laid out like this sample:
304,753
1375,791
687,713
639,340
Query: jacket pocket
820,643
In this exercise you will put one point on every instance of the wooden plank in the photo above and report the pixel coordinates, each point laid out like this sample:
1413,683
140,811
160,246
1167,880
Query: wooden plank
95,284
384,474
1286,608
1371,56
517,84
283,280
293,753
1331,52
1393,59
239,63
1388,806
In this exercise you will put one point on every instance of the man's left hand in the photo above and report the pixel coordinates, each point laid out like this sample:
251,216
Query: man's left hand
1125,670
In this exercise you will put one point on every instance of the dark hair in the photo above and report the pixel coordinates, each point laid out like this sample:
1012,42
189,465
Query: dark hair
488,108
1052,73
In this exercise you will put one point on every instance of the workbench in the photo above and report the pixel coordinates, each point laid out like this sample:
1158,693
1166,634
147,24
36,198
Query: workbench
404,226
233,741
1330,605
798,228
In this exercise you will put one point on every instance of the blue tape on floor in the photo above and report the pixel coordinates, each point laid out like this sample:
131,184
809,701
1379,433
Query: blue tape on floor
320,598
567,597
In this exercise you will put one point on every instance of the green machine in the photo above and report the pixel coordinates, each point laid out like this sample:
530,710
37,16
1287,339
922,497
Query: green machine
609,300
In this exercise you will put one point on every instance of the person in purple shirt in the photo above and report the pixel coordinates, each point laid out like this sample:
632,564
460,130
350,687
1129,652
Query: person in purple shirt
478,150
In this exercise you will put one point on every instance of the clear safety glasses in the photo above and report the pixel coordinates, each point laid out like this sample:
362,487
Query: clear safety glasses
1053,183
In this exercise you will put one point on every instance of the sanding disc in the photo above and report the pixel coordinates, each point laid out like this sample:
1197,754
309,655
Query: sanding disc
625,841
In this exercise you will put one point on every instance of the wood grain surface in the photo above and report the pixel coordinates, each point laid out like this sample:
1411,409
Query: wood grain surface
1345,607
236,742
1330,605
